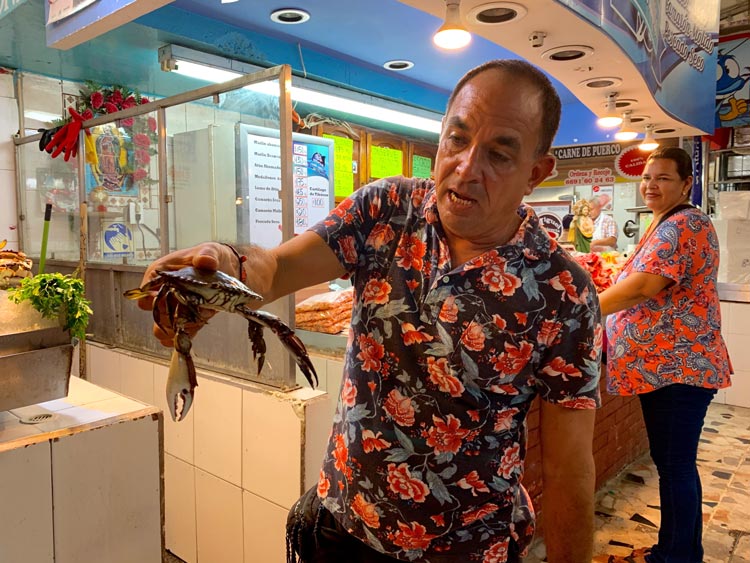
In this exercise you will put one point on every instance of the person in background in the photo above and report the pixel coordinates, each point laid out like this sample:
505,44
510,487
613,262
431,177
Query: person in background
665,345
464,311
605,228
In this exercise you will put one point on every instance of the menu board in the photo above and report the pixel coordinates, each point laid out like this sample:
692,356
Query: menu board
343,147
385,162
259,201
421,166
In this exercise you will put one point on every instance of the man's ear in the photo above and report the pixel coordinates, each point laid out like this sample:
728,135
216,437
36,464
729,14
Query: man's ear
541,170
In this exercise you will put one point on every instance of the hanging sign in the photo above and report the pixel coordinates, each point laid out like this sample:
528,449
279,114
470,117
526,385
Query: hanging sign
671,43
551,214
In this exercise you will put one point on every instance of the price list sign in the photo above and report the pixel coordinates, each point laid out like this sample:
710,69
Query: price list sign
312,185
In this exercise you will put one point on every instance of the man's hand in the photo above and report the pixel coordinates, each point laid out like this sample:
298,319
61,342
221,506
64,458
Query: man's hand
208,256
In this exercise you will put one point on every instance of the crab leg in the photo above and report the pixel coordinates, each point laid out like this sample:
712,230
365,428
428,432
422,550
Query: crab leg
181,381
287,337
255,334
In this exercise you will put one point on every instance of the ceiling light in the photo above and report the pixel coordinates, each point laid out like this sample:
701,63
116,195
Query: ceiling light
452,34
289,16
566,53
496,13
398,64
611,117
649,143
626,131
602,82
211,73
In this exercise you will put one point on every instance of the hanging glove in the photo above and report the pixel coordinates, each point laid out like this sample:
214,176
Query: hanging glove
46,137
65,140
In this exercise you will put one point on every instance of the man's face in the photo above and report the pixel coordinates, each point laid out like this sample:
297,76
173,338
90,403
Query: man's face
596,208
486,161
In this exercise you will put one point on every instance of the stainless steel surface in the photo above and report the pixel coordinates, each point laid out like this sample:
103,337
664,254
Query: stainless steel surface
34,377
329,344
35,356
739,292
639,209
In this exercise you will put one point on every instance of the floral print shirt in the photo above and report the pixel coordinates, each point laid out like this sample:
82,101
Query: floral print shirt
425,458
675,337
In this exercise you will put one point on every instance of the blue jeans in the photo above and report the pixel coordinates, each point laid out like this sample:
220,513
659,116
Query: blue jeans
674,419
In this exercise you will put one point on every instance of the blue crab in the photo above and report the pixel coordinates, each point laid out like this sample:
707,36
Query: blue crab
183,293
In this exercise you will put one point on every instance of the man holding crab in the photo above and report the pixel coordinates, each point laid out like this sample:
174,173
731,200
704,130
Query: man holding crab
465,310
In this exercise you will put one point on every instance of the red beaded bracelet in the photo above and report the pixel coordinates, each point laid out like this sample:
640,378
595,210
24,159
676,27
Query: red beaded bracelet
241,258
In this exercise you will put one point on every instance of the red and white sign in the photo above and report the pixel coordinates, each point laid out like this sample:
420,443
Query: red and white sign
631,162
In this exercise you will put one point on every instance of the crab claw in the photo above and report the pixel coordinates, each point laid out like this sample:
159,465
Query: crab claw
181,381
286,335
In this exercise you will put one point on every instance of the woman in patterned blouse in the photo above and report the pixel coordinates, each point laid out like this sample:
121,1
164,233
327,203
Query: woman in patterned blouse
665,345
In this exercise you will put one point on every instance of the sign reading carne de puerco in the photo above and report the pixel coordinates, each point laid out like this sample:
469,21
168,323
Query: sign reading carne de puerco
599,164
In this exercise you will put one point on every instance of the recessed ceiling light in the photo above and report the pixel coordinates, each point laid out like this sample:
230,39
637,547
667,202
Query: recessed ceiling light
566,53
639,118
624,103
664,130
496,13
601,82
289,16
398,64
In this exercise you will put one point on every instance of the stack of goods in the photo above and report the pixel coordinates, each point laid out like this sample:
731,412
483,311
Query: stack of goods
14,266
329,312
603,269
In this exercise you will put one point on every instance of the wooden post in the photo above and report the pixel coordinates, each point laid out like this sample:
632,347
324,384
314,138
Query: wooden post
83,252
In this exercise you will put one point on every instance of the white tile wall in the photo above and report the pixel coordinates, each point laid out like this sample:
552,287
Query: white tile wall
739,393
103,367
137,378
6,86
271,457
219,522
237,462
26,493
735,327
739,319
179,509
265,530
218,429
317,430
739,351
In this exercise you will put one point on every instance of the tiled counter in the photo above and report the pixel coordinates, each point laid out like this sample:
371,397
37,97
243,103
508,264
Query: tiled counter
82,484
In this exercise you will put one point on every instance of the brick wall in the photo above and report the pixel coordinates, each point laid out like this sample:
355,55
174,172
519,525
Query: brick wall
619,438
